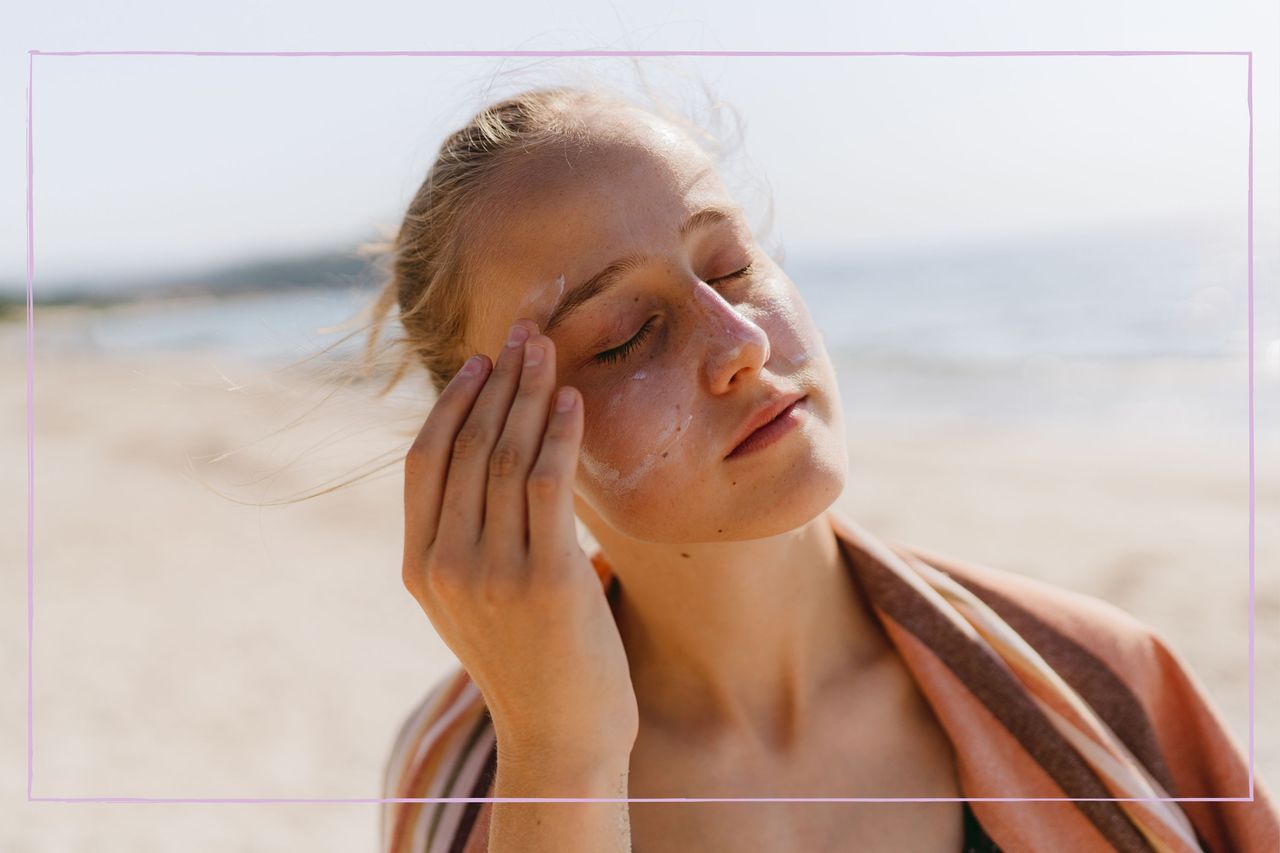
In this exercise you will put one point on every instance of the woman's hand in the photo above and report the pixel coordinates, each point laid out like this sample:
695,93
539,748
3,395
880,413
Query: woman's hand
491,555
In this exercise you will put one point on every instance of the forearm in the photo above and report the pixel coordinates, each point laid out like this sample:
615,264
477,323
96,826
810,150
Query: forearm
560,827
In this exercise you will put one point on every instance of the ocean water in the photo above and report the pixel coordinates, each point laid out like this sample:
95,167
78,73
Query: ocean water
1116,331
1140,333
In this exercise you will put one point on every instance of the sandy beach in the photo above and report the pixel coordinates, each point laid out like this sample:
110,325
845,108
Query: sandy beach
189,646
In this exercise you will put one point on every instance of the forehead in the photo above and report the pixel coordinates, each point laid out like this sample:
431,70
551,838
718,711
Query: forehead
570,213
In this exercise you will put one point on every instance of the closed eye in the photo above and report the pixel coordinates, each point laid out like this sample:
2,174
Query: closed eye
620,353
747,270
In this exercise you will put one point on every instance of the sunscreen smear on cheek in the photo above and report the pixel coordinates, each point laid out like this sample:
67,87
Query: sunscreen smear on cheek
631,428
625,480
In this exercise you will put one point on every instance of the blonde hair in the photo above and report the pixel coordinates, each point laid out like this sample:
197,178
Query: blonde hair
424,268
428,276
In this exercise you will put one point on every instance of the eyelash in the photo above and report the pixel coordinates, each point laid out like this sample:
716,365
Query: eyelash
621,352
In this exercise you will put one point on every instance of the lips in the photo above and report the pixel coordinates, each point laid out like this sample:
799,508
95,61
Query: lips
762,415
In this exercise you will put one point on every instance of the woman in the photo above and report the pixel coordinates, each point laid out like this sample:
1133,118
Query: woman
751,641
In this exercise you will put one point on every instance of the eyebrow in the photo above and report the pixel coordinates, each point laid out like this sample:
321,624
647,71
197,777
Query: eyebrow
600,283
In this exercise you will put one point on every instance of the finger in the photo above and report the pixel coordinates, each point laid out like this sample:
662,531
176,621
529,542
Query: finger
553,536
426,464
506,523
462,511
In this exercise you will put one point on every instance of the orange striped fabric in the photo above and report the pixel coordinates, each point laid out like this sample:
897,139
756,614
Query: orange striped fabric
1044,693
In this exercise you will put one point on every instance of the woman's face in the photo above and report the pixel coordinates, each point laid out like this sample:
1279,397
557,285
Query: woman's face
674,354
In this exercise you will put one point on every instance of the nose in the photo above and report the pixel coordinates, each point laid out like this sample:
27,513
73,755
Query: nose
737,344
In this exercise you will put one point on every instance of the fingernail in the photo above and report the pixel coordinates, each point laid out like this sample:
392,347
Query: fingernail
517,335
533,354
564,400
472,366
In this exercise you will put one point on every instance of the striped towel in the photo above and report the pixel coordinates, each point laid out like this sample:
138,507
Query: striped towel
1044,693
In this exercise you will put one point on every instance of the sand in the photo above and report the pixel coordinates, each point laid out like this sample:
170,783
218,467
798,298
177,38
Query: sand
188,646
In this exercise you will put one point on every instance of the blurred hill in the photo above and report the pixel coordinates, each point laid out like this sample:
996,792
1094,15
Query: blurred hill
328,269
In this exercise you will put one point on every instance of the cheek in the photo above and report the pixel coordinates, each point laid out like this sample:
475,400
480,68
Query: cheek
640,430
793,337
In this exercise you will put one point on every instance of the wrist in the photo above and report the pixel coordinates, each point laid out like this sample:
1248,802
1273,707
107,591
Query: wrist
539,769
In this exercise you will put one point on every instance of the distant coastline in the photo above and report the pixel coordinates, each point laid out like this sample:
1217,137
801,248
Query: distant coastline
318,270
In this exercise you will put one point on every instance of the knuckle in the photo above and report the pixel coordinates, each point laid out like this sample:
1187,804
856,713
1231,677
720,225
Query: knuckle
543,484
441,581
469,440
415,460
411,577
549,592
505,460
501,590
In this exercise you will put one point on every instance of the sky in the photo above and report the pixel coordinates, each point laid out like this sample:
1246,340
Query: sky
145,164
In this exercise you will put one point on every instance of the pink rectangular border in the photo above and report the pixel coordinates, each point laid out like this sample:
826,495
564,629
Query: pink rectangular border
31,54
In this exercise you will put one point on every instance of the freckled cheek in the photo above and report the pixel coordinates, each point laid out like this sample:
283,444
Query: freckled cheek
640,430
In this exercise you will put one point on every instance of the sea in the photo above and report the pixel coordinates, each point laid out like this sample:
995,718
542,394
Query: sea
1107,331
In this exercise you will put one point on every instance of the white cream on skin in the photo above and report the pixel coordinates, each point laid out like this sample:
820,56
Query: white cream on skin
641,394
666,387
543,298
615,480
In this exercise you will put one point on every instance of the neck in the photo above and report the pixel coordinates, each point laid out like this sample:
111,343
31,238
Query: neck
740,639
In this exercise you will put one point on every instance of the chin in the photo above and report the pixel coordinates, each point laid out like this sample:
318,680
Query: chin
721,512
773,491
794,506
806,491
779,488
